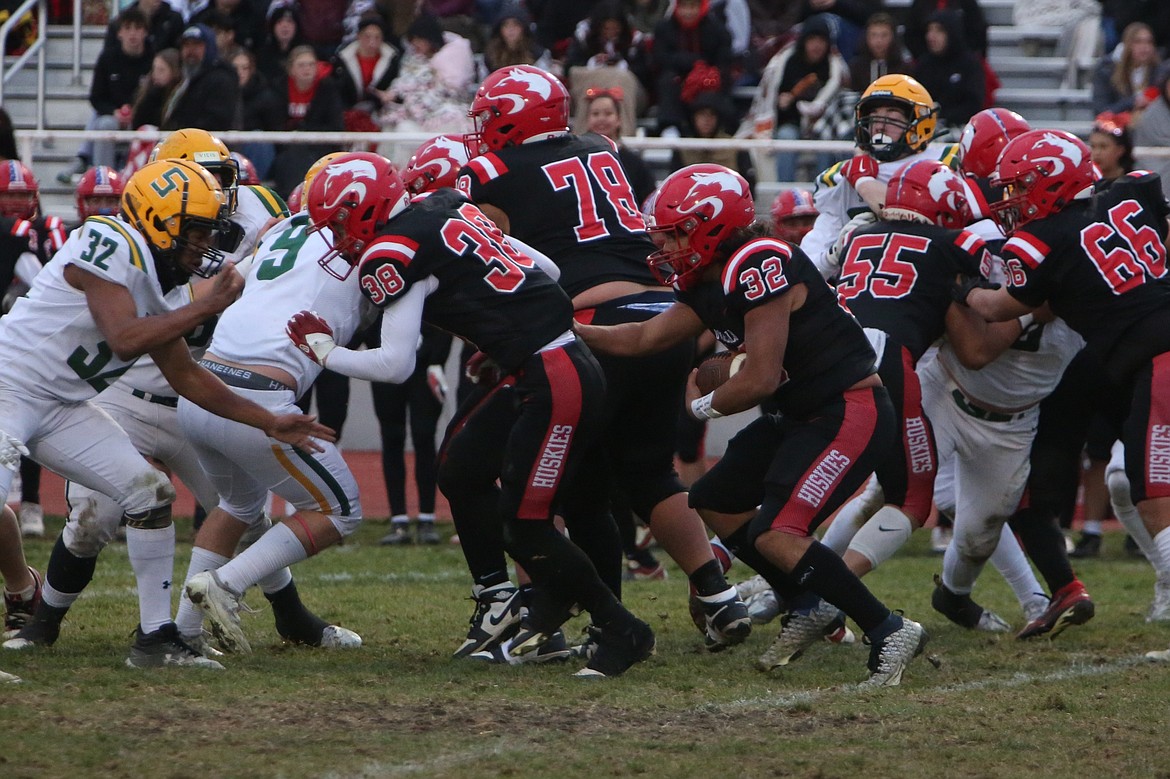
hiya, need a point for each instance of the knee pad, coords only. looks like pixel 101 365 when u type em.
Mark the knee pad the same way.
pixel 151 491
pixel 882 536
pixel 93 520
pixel 346 526
pixel 152 519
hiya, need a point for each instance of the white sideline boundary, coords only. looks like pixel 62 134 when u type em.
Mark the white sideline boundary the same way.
pixel 805 697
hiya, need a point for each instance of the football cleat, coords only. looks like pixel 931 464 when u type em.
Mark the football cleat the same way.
pixel 32 520
pixel 749 587
pixel 221 607
pixel 799 629
pixel 1071 605
pixel 726 621
pixel 588 646
pixel 838 632
pixel 399 535
pixel 889 657
pixel 1160 608
pixel 964 611
pixel 41 630
pixel 164 648
pixel 497 608
pixel 1088 546
pixel 1159 655
pixel 337 637
pixel 6 678
pixel 19 612
pixel 552 648
pixel 427 534
pixel 763 607
pixel 618 650
pixel 635 571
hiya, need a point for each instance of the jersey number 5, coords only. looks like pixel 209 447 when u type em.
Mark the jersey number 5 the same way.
pixel 885 274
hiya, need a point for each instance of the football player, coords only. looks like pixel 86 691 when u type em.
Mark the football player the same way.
pixel 568 197
pixel 443 251
pixel 787 472
pixel 895 121
pixel 72 346
pixel 1104 274
pixel 793 214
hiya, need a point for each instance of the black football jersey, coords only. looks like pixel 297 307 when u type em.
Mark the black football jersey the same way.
pixel 41 236
pixel 897 277
pixel 1100 263
pixel 826 353
pixel 488 293
pixel 568 197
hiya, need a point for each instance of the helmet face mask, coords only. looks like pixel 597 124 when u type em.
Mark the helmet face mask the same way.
pixel 793 215
pixel 516 104
pixel 179 208
pixel 885 136
pixel 19 192
pixel 99 193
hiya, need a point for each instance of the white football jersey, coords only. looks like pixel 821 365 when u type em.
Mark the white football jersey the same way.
pixel 255 205
pixel 50 344
pixel 835 198
pixel 285 279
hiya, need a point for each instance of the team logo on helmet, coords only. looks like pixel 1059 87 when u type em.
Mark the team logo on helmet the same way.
pixel 346 178
pixel 527 82
pixel 714 183
pixel 1069 154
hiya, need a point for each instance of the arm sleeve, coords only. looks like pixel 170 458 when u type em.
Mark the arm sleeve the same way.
pixel 394 360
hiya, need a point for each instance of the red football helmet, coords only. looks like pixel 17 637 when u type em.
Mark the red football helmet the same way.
pixel 703 204
pixel 99 193
pixel 434 164
pixel 248 173
pixel 985 136
pixel 927 191
pixel 514 104
pixel 793 214
pixel 1041 171
pixel 19 193
pixel 352 196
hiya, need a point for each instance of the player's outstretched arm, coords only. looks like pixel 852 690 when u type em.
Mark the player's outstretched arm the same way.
pixel 996 305
pixel 975 341
pixel 674 325
pixel 204 389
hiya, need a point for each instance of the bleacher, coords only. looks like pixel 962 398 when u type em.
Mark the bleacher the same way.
pixel 1036 78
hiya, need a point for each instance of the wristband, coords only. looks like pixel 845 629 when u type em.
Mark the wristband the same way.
pixel 1026 321
pixel 701 407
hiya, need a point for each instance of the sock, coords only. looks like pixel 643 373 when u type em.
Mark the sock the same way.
pixel 1127 514
pixel 152 557
pixel 958 575
pixel 883 535
pixel 294 621
pixel 66 576
pixel 1162 543
pixel 826 574
pixel 276 581
pixel 188 618
pixel 708 579
pixel 276 549
pixel 25 595
pixel 744 550
pixel 722 554
pixel 1044 543
pixel 399 519
pixel 1008 558
pixel 1092 527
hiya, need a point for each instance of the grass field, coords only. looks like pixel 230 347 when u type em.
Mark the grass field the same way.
pixel 1085 705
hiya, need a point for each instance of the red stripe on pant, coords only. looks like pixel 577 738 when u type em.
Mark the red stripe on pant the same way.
pixel 825 473
pixel 548 468
pixel 1157 470
pixel 917 445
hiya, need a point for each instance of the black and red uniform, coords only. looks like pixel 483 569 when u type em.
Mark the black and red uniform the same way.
pixel 568 197
pixel 486 292
pixel 896 278
pixel 800 464
pixel 1100 263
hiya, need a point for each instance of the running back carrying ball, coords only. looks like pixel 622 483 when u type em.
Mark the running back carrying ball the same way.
pixel 717 369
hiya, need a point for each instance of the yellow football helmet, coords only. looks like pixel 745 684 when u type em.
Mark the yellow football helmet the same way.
pixel 313 170
pixel 200 146
pixel 911 135
pixel 167 200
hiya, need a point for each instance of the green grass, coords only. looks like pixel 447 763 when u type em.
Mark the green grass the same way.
pixel 1084 705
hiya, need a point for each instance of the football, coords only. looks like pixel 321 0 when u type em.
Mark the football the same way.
pixel 715 370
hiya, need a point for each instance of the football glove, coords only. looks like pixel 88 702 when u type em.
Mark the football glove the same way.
pixel 312 335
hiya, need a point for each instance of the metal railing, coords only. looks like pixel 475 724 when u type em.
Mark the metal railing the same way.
pixel 36 48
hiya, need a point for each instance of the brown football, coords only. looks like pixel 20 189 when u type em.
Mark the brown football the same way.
pixel 716 370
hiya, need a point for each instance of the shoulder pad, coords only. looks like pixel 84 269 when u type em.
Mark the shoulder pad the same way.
pixel 951 155
pixel 124 241
pixel 271 201
pixel 830 176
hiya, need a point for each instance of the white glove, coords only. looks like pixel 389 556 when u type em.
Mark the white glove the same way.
pixel 437 382
pixel 11 450
pixel 835 257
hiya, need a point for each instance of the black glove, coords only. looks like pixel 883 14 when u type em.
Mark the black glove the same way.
pixel 962 289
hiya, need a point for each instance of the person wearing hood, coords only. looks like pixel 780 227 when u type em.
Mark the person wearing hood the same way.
pixel 951 73
pixel 206 97
pixel 365 68
pixel 688 37
pixel 973 23
pixel 512 42
pixel 283 33
pixel 435 82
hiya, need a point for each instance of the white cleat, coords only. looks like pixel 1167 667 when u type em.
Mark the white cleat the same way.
pixel 990 622
pixel 221 607
pixel 798 631
pixel 1160 608
pixel 6 678
pixel 32 520
pixel 753 586
pixel 889 658
pixel 337 637
pixel 1160 656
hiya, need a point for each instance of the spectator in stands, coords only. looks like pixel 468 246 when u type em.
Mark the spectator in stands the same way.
pixel 1112 145
pixel 704 111
pixel 1123 13
pixel 243 15
pixel 556 21
pixel 8 149
pixel 604 117
pixel 327 27
pixel 608 39
pixel 952 75
pixel 365 68
pixel 206 97
pixel 687 38
pixel 166 71
pixel 646 14
pixel 309 101
pixel 1124 75
pixel 1152 128
pixel 879 53
pixel 847 19
pixel 163 22
pixel 795 90
pixel 434 85
pixel 225 36
pixel 737 17
pixel 258 110
pixel 511 42
pixel 973 23
pixel 119 71
pixel 283 34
